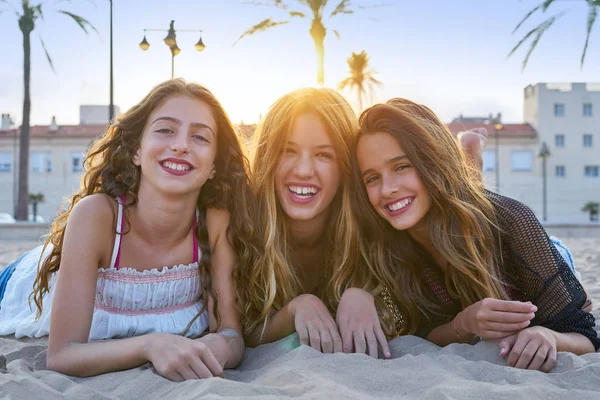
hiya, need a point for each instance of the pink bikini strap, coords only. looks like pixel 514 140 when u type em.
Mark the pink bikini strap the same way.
pixel 194 239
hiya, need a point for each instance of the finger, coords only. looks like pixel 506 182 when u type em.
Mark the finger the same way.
pixel 383 343
pixel 360 346
pixel 519 346
pixel 326 341
pixel 314 336
pixel 511 306
pixel 174 376
pixel 187 372
pixel 507 344
pixel 303 334
pixel 506 317
pixel 496 335
pixel 538 358
pixel 504 327
pixel 371 344
pixel 550 362
pixel 527 354
pixel 201 370
pixel 336 339
pixel 347 343
pixel 210 361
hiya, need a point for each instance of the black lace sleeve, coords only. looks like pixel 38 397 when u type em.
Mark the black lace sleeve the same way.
pixel 539 272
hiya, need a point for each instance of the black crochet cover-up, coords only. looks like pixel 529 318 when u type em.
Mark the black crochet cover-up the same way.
pixel 533 269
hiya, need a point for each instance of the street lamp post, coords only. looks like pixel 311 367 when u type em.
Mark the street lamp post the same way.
pixel 497 128
pixel 544 154
pixel 171 41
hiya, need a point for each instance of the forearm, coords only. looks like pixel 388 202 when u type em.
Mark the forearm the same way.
pixel 573 342
pixel 278 326
pixel 90 359
pixel 446 334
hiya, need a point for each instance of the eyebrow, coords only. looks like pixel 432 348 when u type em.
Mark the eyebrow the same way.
pixel 198 125
pixel 321 146
pixel 390 161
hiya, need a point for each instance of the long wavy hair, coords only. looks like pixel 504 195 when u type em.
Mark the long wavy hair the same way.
pixel 461 221
pixel 108 169
pixel 273 281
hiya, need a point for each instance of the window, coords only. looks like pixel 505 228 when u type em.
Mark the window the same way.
pixel 559 110
pixel 587 109
pixel 559 140
pixel 560 171
pixel 76 162
pixel 522 160
pixel 6 162
pixel 40 161
pixel 489 161
pixel 592 171
pixel 587 140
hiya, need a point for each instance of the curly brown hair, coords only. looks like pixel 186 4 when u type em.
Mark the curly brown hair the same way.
pixel 108 169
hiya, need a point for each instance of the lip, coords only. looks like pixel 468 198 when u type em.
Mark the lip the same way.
pixel 176 161
pixel 400 211
pixel 298 200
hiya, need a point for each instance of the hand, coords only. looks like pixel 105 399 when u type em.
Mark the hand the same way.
pixel 496 319
pixel 532 348
pixel 178 358
pixel 314 324
pixel 359 324
pixel 472 143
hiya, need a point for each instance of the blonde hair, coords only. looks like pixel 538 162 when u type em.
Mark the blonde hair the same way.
pixel 109 170
pixel 272 281
pixel 461 222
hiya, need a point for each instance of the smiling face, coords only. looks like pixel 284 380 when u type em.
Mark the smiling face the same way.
pixel 178 147
pixel 308 175
pixel 393 185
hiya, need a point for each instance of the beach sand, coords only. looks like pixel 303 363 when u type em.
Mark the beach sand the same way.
pixel 283 370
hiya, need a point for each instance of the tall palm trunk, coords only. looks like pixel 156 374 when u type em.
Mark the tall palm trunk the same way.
pixel 26 25
pixel 318 32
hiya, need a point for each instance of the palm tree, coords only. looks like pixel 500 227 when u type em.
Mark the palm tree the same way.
pixel 28 16
pixel 537 32
pixel 593 208
pixel 317 31
pixel 35 199
pixel 361 77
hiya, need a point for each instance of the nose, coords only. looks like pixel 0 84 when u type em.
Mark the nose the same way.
pixel 304 167
pixel 389 186
pixel 180 142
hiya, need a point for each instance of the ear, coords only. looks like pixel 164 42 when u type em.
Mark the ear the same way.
pixel 212 173
pixel 137 159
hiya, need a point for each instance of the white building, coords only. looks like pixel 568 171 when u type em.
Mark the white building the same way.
pixel 55 163
pixel 566 118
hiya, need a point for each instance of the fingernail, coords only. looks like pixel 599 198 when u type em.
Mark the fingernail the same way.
pixel 387 355
pixel 533 308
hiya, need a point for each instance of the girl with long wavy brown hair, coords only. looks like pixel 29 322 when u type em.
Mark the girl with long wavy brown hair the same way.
pixel 145 249
pixel 302 170
pixel 453 261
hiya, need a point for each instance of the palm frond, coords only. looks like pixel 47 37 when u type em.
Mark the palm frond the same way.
pixel 82 22
pixel 337 34
pixel 544 6
pixel 592 14
pixel 538 31
pixel 343 7
pixel 47 55
pixel 297 14
pixel 260 27
pixel 346 82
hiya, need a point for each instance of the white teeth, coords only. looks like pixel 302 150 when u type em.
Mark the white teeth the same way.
pixel 176 167
pixel 303 190
pixel 399 205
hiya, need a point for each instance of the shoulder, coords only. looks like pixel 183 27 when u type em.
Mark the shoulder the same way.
pixel 96 208
pixel 509 210
pixel 217 222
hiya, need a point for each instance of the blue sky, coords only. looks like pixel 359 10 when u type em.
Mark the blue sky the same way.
pixel 450 55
